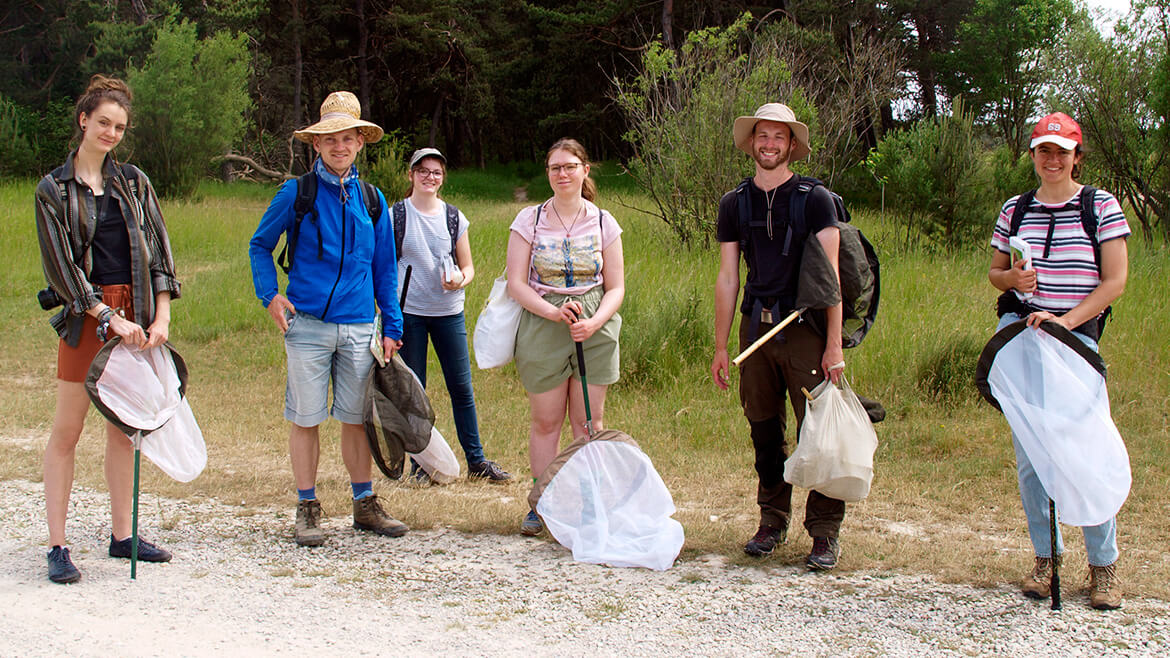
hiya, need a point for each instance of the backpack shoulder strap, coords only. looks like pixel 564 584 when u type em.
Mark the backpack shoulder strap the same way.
pixel 743 204
pixel 453 228
pixel 1021 209
pixel 398 214
pixel 373 203
pixel 1089 220
pixel 796 208
pixel 302 205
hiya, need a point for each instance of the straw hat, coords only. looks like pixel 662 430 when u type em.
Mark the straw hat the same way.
pixel 745 126
pixel 340 111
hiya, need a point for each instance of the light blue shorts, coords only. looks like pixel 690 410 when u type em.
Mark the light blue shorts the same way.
pixel 318 351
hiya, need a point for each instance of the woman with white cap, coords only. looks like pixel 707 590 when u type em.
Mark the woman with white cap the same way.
pixel 1078 266
pixel 435 245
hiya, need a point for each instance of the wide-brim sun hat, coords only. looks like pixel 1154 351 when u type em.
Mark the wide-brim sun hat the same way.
pixel 340 111
pixel 742 131
pixel 428 152
pixel 1057 128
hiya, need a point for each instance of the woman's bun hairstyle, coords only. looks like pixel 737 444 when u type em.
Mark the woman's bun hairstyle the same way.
pixel 100 90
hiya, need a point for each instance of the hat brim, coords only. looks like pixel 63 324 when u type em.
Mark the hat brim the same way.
pixel 744 126
pixel 1062 142
pixel 370 131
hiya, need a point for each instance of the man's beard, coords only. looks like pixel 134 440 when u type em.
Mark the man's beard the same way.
pixel 770 165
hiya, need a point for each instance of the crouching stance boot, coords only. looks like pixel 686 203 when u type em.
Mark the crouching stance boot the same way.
pixel 1104 587
pixel 1037 584
pixel 368 515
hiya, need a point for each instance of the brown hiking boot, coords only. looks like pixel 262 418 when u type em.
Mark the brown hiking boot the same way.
pixel 308 530
pixel 1104 587
pixel 368 515
pixel 1038 583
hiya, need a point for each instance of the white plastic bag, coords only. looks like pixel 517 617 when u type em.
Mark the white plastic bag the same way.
pixel 608 505
pixel 437 459
pixel 495 330
pixel 835 452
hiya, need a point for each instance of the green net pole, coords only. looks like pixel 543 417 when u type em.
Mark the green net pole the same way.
pixel 134 515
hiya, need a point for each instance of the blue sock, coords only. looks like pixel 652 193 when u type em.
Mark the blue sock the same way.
pixel 307 494
pixel 362 489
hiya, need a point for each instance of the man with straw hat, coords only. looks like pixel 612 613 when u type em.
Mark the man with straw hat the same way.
pixel 341 263
pixel 755 219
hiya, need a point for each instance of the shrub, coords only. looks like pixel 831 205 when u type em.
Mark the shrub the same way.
pixel 386 166
pixel 936 172
pixel 190 96
pixel 680 109
pixel 32 143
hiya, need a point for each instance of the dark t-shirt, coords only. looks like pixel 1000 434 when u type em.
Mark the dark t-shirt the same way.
pixel 111 245
pixel 771 276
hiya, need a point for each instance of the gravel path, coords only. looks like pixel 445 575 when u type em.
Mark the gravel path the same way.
pixel 238 585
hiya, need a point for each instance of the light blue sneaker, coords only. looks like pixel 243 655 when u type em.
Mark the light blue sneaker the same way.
pixel 531 525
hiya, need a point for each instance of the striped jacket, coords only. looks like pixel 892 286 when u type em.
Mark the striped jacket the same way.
pixel 66 215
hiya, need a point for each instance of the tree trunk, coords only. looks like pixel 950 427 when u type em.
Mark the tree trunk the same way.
pixel 436 116
pixel 363 64
pixel 298 73
pixel 667 23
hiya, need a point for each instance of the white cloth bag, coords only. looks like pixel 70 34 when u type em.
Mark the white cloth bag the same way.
pixel 437 459
pixel 835 452
pixel 495 330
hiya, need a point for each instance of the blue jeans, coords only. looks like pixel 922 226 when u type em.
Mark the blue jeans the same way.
pixel 1100 540
pixel 449 334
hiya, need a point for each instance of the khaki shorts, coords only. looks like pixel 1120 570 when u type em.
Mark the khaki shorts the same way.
pixel 546 355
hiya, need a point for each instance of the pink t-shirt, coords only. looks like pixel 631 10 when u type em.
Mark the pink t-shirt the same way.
pixel 567 262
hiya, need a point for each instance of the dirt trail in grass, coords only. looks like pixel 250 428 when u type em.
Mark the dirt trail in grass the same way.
pixel 238 585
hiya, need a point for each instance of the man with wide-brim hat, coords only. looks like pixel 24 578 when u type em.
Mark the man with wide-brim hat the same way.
pixel 341 270
pixel 772 243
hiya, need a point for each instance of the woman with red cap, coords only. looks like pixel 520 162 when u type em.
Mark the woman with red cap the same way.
pixel 1078 266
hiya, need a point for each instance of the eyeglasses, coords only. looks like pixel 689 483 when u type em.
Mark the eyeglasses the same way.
pixel 429 173
pixel 569 168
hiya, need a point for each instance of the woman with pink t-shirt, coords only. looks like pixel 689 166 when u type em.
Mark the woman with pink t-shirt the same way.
pixel 565 268
pixel 1078 266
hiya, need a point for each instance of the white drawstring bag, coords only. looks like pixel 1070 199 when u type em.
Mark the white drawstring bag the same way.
pixel 495 330
pixel 834 454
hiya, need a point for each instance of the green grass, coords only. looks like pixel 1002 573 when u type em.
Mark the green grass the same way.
pixel 944 498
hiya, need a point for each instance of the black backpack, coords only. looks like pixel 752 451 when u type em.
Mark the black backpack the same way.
pixel 304 205
pixel 1009 303
pixel 398 212
pixel 858 266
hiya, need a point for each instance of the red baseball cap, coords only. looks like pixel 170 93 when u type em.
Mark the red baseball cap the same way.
pixel 1058 128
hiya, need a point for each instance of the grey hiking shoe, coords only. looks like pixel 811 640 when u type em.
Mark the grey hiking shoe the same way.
pixel 368 515
pixel 1038 583
pixel 825 552
pixel 765 541
pixel 1104 587
pixel 61 569
pixel 488 470
pixel 308 530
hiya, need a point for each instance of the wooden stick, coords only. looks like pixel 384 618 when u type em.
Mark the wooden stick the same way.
pixel 766 337
pixel 806 393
